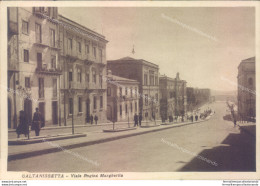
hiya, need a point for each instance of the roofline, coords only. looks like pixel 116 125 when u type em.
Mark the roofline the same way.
pixel 135 60
pixel 84 28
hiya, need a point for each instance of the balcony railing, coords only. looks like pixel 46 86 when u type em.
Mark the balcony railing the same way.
pixel 50 71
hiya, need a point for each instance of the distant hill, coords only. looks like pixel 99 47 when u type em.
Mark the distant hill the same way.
pixel 221 95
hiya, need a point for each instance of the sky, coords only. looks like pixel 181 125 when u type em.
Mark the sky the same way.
pixel 205 45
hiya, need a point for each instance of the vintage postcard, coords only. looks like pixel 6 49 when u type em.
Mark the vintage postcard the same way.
pixel 130 90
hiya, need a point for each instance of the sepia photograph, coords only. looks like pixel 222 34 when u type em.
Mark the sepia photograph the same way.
pixel 96 92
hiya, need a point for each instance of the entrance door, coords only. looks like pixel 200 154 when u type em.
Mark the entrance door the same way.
pixel 42 109
pixel 55 112
pixel 28 110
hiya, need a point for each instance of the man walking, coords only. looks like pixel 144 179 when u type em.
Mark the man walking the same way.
pixel 37 122
pixel 136 120
pixel 96 119
pixel 91 119
pixel 140 119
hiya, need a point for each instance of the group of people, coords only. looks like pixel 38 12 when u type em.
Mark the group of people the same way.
pixel 138 118
pixel 37 123
pixel 91 118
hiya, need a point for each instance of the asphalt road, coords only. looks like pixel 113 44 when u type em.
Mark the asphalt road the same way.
pixel 188 148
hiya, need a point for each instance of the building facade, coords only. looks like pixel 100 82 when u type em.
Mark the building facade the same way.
pixel 122 98
pixel 146 73
pixel 173 99
pixel 83 60
pixel 246 89
pixel 33 68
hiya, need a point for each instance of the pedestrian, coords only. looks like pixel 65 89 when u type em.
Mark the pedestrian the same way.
pixel 140 119
pixel 91 119
pixel 23 125
pixel 136 120
pixel 191 118
pixel 37 122
pixel 196 117
pixel 235 123
pixel 96 119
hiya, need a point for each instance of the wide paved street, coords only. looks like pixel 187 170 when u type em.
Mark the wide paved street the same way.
pixel 186 148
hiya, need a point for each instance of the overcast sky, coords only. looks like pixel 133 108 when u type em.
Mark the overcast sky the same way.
pixel 205 45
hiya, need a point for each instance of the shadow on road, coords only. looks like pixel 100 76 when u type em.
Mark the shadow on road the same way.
pixel 237 153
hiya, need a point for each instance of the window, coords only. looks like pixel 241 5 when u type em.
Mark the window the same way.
pixel 52 34
pixel 70 75
pixel 156 96
pixel 70 105
pixel 131 92
pixel 39 60
pixel 151 78
pixel 87 77
pixel 94 76
pixel 120 110
pixel 146 99
pixel 41 88
pixel 126 108
pixel 25 27
pixel 27 82
pixel 38 33
pixel 95 102
pixel 156 80
pixel 87 49
pixel 250 81
pixel 80 104
pixel 126 90
pixel 131 107
pixel 94 52
pixel 79 75
pixel 26 56
pixel 101 101
pixel 79 47
pixel 108 91
pixel 135 107
pixel 136 92
pixel 100 80
pixel 120 92
pixel 55 92
pixel 69 44
pixel 53 62
pixel 100 55
pixel 145 79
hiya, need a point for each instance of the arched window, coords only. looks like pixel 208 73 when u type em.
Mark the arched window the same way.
pixel 250 81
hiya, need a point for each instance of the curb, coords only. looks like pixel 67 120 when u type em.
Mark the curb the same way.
pixel 44 138
pixel 119 129
pixel 27 154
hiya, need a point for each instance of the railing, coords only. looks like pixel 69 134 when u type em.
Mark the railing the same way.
pixel 45 70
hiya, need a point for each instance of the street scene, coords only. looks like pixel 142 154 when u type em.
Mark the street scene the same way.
pixel 131 89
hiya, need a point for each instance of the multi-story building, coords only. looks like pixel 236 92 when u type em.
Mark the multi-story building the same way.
pixel 83 60
pixel 122 98
pixel 246 89
pixel 146 73
pixel 173 99
pixel 33 68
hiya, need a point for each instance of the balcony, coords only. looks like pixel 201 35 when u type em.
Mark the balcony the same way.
pixel 51 71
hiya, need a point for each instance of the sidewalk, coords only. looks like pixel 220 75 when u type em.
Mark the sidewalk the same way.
pixel 95 137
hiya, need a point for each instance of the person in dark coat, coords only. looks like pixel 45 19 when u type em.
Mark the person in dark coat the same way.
pixel 23 125
pixel 136 120
pixel 91 119
pixel 140 119
pixel 37 122
pixel 196 117
pixel 96 119
pixel 191 118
